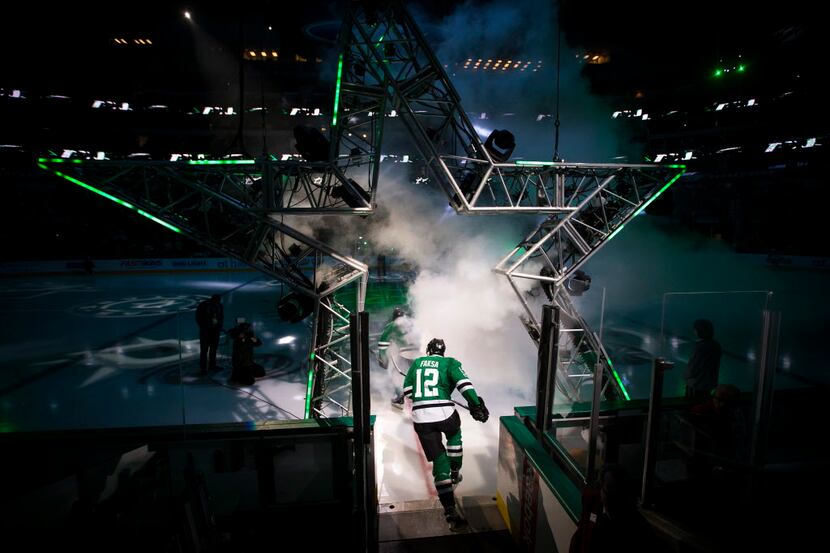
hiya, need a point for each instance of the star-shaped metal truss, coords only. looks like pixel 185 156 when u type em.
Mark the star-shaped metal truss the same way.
pixel 232 206
pixel 586 203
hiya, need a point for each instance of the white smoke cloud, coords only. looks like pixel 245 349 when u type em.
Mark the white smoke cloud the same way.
pixel 456 295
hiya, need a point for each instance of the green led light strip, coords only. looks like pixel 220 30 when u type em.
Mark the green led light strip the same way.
pixel 665 187
pixel 308 393
pixel 337 90
pixel 534 163
pixel 619 381
pixel 645 205
pixel 112 198
pixel 58 160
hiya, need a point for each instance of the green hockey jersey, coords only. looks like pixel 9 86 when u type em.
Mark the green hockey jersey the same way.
pixel 392 334
pixel 430 382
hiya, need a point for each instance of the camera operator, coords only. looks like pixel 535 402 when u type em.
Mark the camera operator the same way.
pixel 245 370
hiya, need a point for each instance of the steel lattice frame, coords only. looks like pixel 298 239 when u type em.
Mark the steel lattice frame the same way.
pixel 587 203
pixel 604 198
pixel 221 207
pixel 229 205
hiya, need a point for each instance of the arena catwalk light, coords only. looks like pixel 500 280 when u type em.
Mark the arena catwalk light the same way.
pixel 187 16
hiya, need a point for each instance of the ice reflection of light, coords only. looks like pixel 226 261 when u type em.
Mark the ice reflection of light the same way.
pixel 53 406
pixel 213 284
pixel 151 390
pixel 267 334
pixel 786 362
pixel 125 392
pixel 750 355
pixel 675 342
pixel 286 340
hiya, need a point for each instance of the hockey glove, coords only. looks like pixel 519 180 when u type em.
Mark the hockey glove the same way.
pixel 479 412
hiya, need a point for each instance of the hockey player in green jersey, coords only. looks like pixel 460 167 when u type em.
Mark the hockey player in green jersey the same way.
pixel 394 350
pixel 429 384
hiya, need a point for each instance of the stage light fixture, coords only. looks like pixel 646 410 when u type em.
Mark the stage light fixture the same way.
pixel 578 284
pixel 295 307
pixel 354 195
pixel 500 144
pixel 311 143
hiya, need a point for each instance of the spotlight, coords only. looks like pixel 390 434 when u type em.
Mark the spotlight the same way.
pixel 311 143
pixel 500 144
pixel 295 307
pixel 578 283
pixel 353 194
pixel 187 16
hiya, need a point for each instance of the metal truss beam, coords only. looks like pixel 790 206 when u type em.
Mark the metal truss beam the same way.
pixel 587 203
pixel 605 198
pixel 395 51
pixel 218 208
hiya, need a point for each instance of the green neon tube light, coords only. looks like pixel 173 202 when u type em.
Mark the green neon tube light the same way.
pixel 535 163
pixel 221 162
pixel 58 160
pixel 613 234
pixel 645 205
pixel 112 198
pixel 337 90
pixel 665 187
pixel 619 381
pixel 308 393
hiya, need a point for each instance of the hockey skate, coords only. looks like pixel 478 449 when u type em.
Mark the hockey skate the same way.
pixel 454 519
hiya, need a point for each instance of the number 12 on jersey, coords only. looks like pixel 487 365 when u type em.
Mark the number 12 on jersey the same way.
pixel 429 379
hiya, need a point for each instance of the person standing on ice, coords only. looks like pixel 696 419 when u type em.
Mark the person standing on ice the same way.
pixel 429 383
